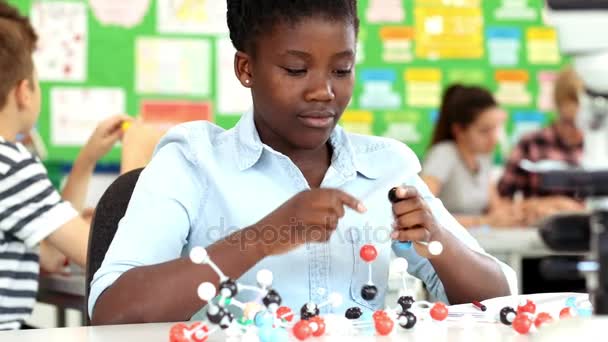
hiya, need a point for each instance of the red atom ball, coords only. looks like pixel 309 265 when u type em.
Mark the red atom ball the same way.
pixel 565 313
pixel 282 313
pixel 320 326
pixel 379 314
pixel 439 311
pixel 368 253
pixel 528 307
pixel 522 323
pixel 542 318
pixel 302 330
pixel 384 326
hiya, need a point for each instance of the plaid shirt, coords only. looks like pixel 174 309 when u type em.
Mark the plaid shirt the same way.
pixel 544 144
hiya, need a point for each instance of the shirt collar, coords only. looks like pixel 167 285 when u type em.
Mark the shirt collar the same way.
pixel 249 149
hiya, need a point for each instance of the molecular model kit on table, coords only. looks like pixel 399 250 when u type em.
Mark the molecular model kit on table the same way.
pixel 268 321
pixel 526 319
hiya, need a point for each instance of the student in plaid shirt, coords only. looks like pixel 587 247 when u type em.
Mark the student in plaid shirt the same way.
pixel 561 141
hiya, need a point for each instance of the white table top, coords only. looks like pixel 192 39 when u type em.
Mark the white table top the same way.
pixel 523 241
pixel 571 330
pixel 424 331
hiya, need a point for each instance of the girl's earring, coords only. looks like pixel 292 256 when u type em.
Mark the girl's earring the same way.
pixel 247 81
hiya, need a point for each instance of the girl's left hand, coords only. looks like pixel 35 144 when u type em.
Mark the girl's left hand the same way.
pixel 414 220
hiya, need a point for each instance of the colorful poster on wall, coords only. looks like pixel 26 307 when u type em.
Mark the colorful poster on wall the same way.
pixel 515 10
pixel 402 126
pixel 397 44
pixel 184 71
pixel 542 46
pixel 504 44
pixel 357 121
pixel 61 53
pixel 469 76
pixel 385 11
pixel 169 113
pixel 232 96
pixel 422 87
pixel 448 31
pixel 192 16
pixel 546 83
pixel 378 92
pixel 121 13
pixel 75 112
pixel 513 88
pixel 410 127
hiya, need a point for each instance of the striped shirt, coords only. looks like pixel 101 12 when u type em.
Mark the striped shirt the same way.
pixel 30 210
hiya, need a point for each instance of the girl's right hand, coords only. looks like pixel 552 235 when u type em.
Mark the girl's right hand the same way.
pixel 309 216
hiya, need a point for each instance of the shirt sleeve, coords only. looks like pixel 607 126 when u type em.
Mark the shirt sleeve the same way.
pixel 421 267
pixel 30 207
pixel 164 205
pixel 440 161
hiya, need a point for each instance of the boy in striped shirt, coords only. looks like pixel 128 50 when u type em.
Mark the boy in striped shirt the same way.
pixel 31 210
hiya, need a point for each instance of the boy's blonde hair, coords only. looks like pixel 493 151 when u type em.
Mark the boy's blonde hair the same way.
pixel 17 43
pixel 567 86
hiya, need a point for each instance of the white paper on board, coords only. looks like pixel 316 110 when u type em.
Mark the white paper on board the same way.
pixel 61 52
pixel 173 66
pixel 75 112
pixel 192 16
pixel 122 13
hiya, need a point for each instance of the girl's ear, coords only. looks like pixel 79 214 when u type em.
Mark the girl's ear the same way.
pixel 242 68
pixel 457 130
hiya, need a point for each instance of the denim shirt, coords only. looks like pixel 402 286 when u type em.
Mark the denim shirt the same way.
pixel 205 182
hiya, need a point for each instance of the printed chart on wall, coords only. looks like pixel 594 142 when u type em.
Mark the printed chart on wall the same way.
pixel 171 61
pixel 414 49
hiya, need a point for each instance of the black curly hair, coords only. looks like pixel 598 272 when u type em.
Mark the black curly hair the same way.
pixel 247 19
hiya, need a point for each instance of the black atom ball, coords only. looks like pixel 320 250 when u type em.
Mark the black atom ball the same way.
pixel 272 297
pixel 507 314
pixel 308 311
pixel 406 320
pixel 230 286
pixel 353 313
pixel 369 292
pixel 405 302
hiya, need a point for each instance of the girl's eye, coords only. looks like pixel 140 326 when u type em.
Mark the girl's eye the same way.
pixel 295 72
pixel 344 72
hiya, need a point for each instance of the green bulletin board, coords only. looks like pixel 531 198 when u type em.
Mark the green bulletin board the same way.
pixel 172 59
pixel 412 50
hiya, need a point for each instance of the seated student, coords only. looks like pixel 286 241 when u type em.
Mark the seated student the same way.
pixel 561 141
pixel 31 210
pixel 458 166
pixel 280 190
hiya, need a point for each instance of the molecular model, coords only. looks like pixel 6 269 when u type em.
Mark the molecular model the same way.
pixel 524 319
pixel 405 314
pixel 266 320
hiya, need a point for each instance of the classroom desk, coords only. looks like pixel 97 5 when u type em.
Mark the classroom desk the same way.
pixel 424 331
pixel 64 292
pixel 512 245
pixel 570 330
